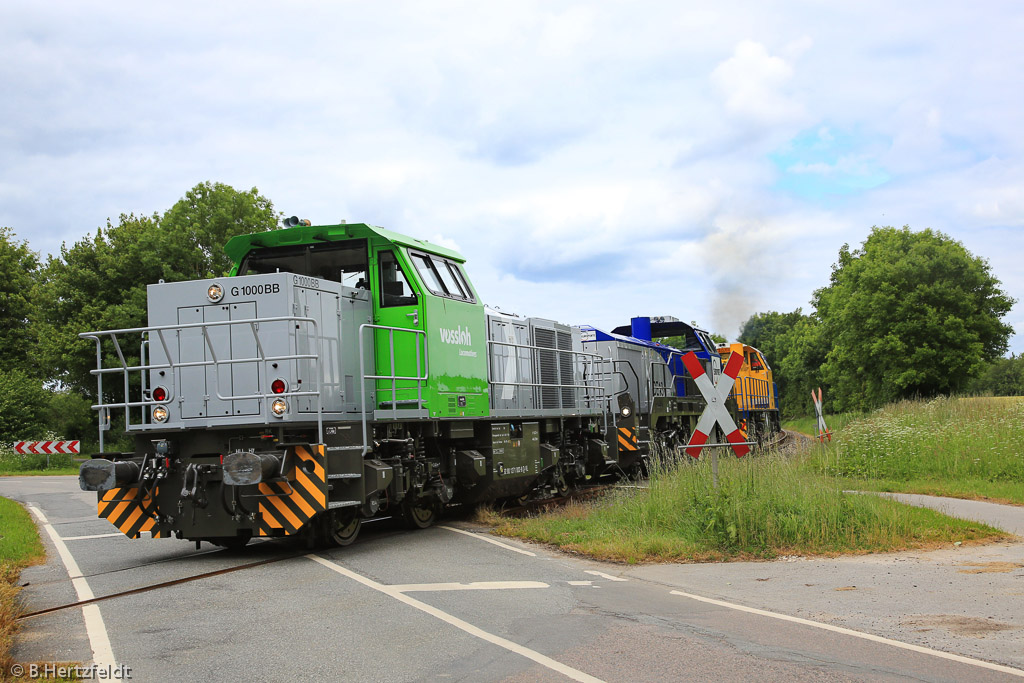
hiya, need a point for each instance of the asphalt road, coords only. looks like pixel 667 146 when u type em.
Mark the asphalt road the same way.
pixel 453 603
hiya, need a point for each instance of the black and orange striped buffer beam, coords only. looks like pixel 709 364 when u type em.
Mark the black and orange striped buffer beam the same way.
pixel 627 439
pixel 131 513
pixel 286 505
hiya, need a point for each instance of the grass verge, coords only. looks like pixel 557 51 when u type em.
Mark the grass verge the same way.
pixel 19 547
pixel 763 507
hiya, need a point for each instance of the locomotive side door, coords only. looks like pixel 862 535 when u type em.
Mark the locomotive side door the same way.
pixel 398 352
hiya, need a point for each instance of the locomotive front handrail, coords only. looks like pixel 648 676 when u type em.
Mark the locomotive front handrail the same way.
pixel 394 376
pixel 261 358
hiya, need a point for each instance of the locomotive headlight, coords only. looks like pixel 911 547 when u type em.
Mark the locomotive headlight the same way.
pixel 626 411
pixel 215 293
pixel 160 414
pixel 279 407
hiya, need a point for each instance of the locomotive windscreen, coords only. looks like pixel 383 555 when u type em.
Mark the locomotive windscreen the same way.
pixel 344 262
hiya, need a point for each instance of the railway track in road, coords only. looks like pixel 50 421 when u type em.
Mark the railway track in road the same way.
pixel 161 584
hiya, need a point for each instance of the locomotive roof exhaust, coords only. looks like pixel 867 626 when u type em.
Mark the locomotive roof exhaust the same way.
pixel 292 221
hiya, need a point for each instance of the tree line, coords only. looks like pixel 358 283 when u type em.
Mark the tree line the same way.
pixel 99 283
pixel 908 314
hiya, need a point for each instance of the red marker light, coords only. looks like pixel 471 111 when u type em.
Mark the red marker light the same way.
pixel 159 394
pixel 278 386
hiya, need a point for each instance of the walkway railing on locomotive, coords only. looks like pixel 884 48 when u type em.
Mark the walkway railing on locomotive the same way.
pixel 577 388
pixel 752 393
pixel 262 359
pixel 669 387
pixel 394 377
pixel 600 376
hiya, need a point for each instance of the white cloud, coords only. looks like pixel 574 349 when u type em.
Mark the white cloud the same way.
pixel 754 85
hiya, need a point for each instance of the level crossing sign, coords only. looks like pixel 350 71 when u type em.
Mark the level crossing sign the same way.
pixel 46 447
pixel 821 430
pixel 715 394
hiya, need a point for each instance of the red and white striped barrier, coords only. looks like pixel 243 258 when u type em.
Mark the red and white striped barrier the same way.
pixel 46 447
pixel 715 395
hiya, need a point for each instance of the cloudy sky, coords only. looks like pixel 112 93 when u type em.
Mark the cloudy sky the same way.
pixel 593 161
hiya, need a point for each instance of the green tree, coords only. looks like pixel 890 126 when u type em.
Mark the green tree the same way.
pixel 791 345
pixel 19 268
pixel 908 314
pixel 70 416
pixel 208 216
pixel 799 368
pixel 765 332
pixel 23 403
pixel 1005 377
pixel 99 282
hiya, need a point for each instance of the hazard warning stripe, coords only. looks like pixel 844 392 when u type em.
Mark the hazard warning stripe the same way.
pixel 289 505
pixel 628 439
pixel 267 520
pixel 130 514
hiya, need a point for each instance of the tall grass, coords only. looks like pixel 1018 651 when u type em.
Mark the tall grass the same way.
pixel 952 445
pixel 762 507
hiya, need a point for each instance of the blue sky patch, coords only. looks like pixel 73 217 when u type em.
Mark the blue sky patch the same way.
pixel 825 162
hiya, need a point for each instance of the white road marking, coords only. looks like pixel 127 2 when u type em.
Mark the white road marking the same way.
pixel 83 538
pixel 580 583
pixel 102 654
pixel 472 630
pixel 474 586
pixel 604 576
pixel 506 546
pixel 857 634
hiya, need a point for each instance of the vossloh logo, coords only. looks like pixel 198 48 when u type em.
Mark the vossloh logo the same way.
pixel 459 337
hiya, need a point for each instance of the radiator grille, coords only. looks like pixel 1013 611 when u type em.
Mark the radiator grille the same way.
pixel 565 369
pixel 547 362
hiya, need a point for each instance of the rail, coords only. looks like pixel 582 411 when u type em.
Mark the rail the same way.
pixel 160 330
pixel 394 376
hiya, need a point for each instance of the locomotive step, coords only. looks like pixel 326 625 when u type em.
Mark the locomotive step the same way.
pixel 345 475
pixel 342 504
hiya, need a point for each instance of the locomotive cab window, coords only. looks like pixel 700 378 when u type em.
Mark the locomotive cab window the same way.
pixel 441 276
pixel 394 286
pixel 342 261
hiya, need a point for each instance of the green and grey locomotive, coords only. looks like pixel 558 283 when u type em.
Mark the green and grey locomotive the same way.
pixel 342 372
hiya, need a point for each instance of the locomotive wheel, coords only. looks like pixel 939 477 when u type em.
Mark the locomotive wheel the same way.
pixel 418 514
pixel 343 529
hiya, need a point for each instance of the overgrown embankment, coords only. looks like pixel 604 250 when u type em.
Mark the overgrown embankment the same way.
pixel 762 508
pixel 769 505
pixel 19 547
pixel 960 447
